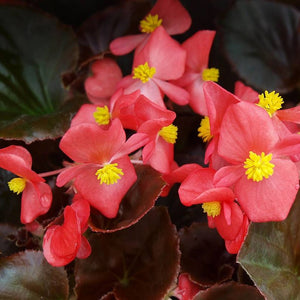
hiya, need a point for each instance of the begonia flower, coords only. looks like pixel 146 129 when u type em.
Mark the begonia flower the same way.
pixel 153 66
pixel 177 175
pixel 167 13
pixel 186 288
pixel 217 202
pixel 120 106
pixel 272 102
pixel 36 194
pixel 264 177
pixel 103 172
pixel 99 87
pixel 158 126
pixel 217 100
pixel 62 243
pixel 197 72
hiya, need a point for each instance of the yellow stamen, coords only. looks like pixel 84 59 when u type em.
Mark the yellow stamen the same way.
pixel 271 102
pixel 143 72
pixel 258 166
pixel 109 174
pixel 150 23
pixel 212 209
pixel 204 130
pixel 211 74
pixel 169 133
pixel 17 185
pixel 102 115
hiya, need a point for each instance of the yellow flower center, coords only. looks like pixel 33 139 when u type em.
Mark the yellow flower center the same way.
pixel 271 102
pixel 211 74
pixel 212 209
pixel 169 133
pixel 109 174
pixel 150 23
pixel 204 130
pixel 17 185
pixel 102 115
pixel 258 166
pixel 143 72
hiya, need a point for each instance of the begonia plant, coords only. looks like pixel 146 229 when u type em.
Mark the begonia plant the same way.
pixel 149 149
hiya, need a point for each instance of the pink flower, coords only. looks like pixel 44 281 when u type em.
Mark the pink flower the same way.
pixel 153 66
pixel 62 243
pixel 186 289
pixel 103 172
pixel 120 106
pixel 218 202
pixel 264 177
pixel 197 72
pixel 178 174
pixel 167 13
pixel 217 100
pixel 99 87
pixel 162 134
pixel 36 194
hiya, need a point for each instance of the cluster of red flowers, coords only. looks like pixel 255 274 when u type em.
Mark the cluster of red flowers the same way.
pixel 253 149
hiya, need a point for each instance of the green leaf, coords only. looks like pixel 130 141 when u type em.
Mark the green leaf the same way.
pixel 262 41
pixel 229 291
pixel 28 276
pixel 271 256
pixel 136 203
pixel 35 50
pixel 140 262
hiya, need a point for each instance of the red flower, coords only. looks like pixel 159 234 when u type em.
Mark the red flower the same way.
pixel 157 125
pixel 121 106
pixel 265 179
pixel 36 194
pixel 197 72
pixel 103 172
pixel 168 13
pixel 62 243
pixel 218 202
pixel 153 66
pixel 99 87
pixel 217 100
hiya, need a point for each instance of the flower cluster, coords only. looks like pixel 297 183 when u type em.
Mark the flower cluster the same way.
pixel 252 155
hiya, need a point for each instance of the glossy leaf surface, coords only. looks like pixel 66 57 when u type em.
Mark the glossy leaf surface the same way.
pixel 140 262
pixel 136 203
pixel 35 50
pixel 271 256
pixel 28 276
pixel 262 41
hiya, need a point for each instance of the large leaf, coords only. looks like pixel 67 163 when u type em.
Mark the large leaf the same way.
pixel 136 203
pixel 28 276
pixel 262 40
pixel 230 291
pixel 140 262
pixel 204 256
pixel 35 50
pixel 271 256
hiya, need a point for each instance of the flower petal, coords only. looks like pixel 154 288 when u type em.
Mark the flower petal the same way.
pixel 198 48
pixel 36 201
pixel 271 198
pixel 105 198
pixel 176 18
pixel 126 44
pixel 177 94
pixel 246 127
pixel 88 143
pixel 157 54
